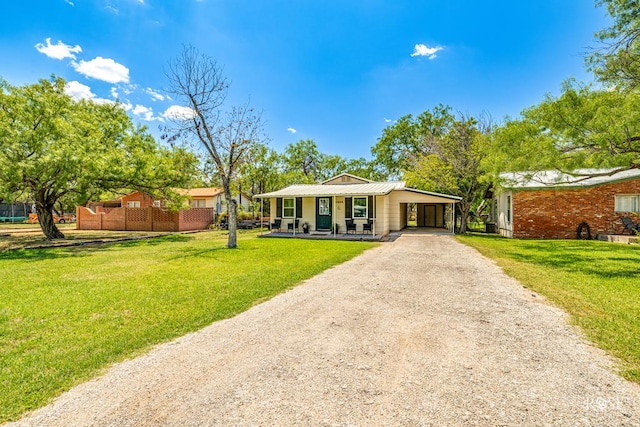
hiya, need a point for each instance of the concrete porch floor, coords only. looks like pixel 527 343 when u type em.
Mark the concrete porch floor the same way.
pixel 314 235
pixel 619 238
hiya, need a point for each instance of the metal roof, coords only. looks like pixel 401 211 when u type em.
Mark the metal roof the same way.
pixel 578 179
pixel 309 190
pixel 368 189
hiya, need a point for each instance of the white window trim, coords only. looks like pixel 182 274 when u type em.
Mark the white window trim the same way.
pixel 293 207
pixel 134 204
pixel 366 207
pixel 617 206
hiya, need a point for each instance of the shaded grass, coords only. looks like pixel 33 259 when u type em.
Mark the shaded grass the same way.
pixel 597 283
pixel 12 239
pixel 65 314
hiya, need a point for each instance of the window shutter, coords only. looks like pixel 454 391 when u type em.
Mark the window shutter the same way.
pixel 348 210
pixel 370 207
pixel 298 207
pixel 279 207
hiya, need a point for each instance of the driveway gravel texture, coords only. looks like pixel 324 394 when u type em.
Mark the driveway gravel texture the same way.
pixel 422 331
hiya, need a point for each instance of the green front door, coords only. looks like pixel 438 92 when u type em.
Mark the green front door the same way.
pixel 323 213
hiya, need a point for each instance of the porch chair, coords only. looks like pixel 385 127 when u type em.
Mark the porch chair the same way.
pixel 290 225
pixel 351 226
pixel 277 224
pixel 630 225
pixel 368 226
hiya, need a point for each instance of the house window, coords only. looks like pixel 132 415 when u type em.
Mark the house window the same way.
pixel 198 203
pixel 288 207
pixel 628 203
pixel 133 204
pixel 157 203
pixel 360 207
pixel 509 209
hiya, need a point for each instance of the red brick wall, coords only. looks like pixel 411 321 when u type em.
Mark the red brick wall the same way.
pixel 556 213
pixel 145 200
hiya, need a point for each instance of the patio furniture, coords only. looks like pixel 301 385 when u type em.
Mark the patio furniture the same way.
pixel 277 224
pixel 351 226
pixel 368 226
pixel 630 225
pixel 290 225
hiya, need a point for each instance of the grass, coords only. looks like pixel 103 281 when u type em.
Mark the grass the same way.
pixel 34 238
pixel 68 313
pixel 597 283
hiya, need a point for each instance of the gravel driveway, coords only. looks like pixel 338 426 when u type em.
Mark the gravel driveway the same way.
pixel 421 331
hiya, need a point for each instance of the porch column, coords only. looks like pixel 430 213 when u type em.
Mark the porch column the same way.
pixel 373 227
pixel 295 214
pixel 333 215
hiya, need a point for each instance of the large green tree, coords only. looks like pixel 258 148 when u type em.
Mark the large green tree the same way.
pixel 582 128
pixel 617 61
pixel 55 149
pixel 437 151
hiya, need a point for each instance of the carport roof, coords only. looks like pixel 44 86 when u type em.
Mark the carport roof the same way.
pixel 368 189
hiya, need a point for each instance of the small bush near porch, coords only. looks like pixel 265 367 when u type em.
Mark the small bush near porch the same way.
pixel 68 313
pixel 597 283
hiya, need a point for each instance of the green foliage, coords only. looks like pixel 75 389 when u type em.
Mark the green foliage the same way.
pixel 67 314
pixel 437 152
pixel 582 128
pixel 400 144
pixel 617 62
pixel 595 282
pixel 57 150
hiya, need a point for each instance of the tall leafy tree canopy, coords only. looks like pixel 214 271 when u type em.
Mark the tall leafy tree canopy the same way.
pixel 53 148
pixel 617 62
pixel 437 151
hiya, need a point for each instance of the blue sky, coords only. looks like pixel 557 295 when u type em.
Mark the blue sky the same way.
pixel 337 72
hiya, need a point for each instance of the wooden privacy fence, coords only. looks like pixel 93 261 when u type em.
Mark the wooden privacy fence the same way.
pixel 143 219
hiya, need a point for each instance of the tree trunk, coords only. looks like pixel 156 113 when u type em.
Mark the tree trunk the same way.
pixel 232 210
pixel 45 218
pixel 464 216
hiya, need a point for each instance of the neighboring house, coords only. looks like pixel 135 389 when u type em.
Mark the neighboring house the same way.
pixel 348 197
pixel 196 198
pixel 549 204
pixel 212 197
pixel 136 199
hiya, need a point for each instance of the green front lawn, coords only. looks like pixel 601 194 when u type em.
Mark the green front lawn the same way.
pixel 597 283
pixel 66 314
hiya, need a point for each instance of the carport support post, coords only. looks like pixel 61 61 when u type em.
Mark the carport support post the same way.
pixel 453 218
pixel 261 214
pixel 295 214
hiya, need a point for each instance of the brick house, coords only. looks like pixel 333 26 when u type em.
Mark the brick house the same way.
pixel 549 204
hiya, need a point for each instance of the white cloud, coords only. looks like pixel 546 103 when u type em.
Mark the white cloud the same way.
pixel 424 50
pixel 105 69
pixel 59 50
pixel 178 112
pixel 78 91
pixel 112 10
pixel 114 92
pixel 145 113
pixel 154 95
pixel 292 130
pixel 69 2
pixel 387 120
